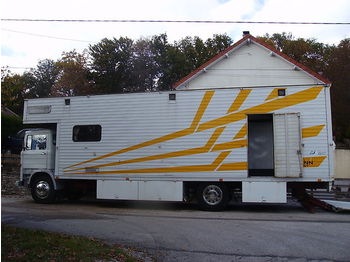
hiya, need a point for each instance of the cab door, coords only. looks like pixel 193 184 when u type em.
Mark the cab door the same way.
pixel 37 150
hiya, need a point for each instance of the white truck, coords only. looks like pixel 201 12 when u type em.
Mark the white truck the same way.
pixel 206 140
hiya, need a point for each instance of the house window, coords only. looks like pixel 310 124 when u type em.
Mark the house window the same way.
pixel 87 133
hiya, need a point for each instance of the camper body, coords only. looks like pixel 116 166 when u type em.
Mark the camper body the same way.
pixel 208 140
pixel 145 146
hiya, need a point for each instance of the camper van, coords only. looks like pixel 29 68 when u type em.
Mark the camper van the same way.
pixel 251 122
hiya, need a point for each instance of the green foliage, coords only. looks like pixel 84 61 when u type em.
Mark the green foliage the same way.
pixel 338 72
pixel 12 93
pixel 73 73
pixel 122 65
pixel 10 125
pixel 111 64
pixel 34 245
pixel 42 79
pixel 308 52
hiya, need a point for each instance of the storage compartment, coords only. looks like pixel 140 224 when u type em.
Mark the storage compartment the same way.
pixel 113 189
pixel 160 190
pixel 264 192
pixel 140 190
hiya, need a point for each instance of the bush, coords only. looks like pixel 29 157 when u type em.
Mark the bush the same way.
pixel 10 125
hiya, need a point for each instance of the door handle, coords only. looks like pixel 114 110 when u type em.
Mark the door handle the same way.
pixel 43 153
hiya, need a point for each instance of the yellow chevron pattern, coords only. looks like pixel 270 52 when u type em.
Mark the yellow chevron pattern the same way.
pixel 219 124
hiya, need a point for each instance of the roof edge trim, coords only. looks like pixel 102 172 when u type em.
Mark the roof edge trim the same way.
pixel 222 54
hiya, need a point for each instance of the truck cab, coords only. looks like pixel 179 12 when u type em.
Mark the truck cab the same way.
pixel 38 162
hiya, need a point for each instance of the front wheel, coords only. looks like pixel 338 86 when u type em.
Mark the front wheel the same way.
pixel 42 190
pixel 212 196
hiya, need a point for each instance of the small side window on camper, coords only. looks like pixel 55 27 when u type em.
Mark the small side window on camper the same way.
pixel 87 133
pixel 282 92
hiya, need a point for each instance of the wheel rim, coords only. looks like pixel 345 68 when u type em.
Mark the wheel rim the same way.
pixel 42 189
pixel 212 195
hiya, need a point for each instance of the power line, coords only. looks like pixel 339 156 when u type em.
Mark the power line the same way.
pixel 46 36
pixel 16 67
pixel 168 21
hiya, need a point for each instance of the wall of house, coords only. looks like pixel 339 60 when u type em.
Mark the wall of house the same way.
pixel 248 66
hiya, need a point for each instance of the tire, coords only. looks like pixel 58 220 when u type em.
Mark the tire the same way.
pixel 42 190
pixel 212 196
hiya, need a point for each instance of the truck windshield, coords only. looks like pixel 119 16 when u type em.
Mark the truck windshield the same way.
pixel 36 142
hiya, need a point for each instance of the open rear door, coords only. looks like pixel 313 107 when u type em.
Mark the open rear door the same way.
pixel 287 145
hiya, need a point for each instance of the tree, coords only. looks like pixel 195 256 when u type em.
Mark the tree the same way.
pixel 41 79
pixel 12 91
pixel 166 58
pixel 217 44
pixel 338 68
pixel 308 52
pixel 111 65
pixel 72 77
pixel 179 59
pixel 144 67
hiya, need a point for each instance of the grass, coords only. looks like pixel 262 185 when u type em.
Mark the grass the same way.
pixel 19 244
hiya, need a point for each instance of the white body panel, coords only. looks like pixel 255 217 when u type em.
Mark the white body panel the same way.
pixel 121 190
pixel 139 190
pixel 131 120
pixel 287 139
pixel 264 192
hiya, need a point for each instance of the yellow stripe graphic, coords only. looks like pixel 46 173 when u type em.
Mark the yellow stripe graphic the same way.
pixel 230 145
pixel 273 94
pixel 300 97
pixel 200 112
pixel 241 97
pixel 290 100
pixel 233 166
pixel 215 166
pixel 203 106
pixel 198 150
pixel 194 168
pixel 312 131
pixel 314 161
pixel 220 158
pixel 241 133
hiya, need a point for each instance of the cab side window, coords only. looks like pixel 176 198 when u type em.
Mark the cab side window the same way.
pixel 36 142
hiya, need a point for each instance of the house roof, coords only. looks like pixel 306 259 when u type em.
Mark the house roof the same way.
pixel 237 44
pixel 8 112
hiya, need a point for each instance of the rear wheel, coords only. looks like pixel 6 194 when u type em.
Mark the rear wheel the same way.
pixel 212 196
pixel 42 190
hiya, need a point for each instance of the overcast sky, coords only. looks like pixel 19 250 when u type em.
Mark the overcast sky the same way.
pixel 20 50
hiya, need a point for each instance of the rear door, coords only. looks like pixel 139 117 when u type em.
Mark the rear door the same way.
pixel 287 145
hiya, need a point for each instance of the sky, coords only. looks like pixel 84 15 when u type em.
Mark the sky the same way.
pixel 23 44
